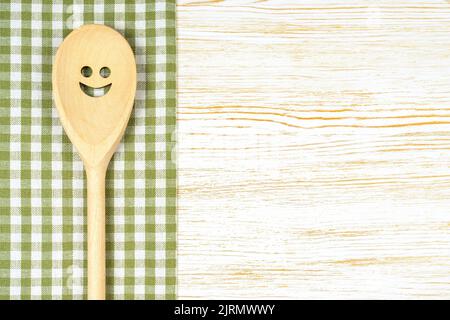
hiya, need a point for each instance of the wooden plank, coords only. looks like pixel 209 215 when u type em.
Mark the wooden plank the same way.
pixel 314 149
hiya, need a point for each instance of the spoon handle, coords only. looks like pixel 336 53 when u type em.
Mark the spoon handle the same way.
pixel 96 232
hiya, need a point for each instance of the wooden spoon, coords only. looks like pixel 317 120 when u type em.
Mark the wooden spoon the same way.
pixel 94 84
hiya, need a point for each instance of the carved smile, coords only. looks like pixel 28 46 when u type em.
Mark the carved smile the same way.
pixel 95 92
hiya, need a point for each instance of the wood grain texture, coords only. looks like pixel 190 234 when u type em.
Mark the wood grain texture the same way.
pixel 314 149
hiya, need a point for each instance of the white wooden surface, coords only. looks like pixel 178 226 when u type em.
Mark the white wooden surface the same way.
pixel 314 149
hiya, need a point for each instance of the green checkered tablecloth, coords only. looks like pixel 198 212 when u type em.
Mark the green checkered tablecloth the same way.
pixel 42 182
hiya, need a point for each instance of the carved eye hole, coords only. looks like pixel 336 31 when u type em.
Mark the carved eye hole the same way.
pixel 86 71
pixel 105 72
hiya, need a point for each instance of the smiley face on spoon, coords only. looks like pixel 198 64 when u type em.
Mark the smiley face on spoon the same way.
pixel 86 72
